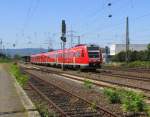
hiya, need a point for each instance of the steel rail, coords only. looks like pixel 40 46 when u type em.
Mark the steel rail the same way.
pixel 62 113
pixel 110 82
pixel 101 110
pixel 131 77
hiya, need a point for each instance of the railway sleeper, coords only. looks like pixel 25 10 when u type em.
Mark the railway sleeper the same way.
pixel 78 109
pixel 71 105
pixel 54 97
pixel 63 105
pixel 58 100
pixel 84 114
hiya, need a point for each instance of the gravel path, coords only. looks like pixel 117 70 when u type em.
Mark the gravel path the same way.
pixel 10 104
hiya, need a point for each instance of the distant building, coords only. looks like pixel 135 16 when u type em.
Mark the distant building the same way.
pixel 116 48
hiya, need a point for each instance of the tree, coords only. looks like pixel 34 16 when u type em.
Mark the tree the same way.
pixel 120 57
pixel 133 55
pixel 143 55
pixel 17 57
pixel 148 52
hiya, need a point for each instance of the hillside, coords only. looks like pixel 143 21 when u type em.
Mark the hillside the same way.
pixel 24 51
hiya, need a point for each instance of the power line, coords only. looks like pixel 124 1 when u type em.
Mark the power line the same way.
pixel 30 13
pixel 108 4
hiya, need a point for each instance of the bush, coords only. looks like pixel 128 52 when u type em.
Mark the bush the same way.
pixel 133 55
pixel 133 102
pixel 21 79
pixel 113 95
pixel 120 57
pixel 130 101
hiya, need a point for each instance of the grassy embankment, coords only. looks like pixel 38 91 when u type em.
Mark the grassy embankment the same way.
pixel 22 79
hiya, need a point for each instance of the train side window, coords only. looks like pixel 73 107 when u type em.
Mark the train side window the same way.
pixel 82 53
pixel 77 54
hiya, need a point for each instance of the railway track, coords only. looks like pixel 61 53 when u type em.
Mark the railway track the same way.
pixel 95 81
pixel 138 70
pixel 121 75
pixel 67 104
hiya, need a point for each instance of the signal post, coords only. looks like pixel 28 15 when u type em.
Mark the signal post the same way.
pixel 63 38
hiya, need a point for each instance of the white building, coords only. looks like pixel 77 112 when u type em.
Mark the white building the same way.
pixel 116 48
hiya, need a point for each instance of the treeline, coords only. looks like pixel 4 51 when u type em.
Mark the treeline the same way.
pixel 133 55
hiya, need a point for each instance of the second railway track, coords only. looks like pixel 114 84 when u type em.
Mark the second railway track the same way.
pixel 131 77
pixel 99 82
pixel 65 102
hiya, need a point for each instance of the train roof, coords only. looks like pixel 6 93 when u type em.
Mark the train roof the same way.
pixel 60 50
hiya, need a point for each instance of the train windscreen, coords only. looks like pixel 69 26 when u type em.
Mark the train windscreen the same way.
pixel 93 52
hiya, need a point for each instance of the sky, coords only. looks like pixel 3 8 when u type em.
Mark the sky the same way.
pixel 37 23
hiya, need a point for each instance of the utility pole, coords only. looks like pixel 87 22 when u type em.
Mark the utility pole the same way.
pixel 1 46
pixel 127 40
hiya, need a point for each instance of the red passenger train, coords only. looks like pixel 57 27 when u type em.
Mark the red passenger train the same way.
pixel 81 56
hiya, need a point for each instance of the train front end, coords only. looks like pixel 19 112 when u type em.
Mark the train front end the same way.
pixel 94 56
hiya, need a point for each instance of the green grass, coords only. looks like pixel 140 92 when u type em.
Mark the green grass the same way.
pixel 93 106
pixel 88 84
pixel 21 78
pixel 44 111
pixel 140 64
pixel 5 60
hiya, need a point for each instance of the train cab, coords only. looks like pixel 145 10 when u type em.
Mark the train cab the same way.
pixel 94 56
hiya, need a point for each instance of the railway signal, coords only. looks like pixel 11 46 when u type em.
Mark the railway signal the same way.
pixel 63 27
pixel 63 38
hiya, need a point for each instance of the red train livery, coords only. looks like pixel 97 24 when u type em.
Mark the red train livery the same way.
pixel 81 56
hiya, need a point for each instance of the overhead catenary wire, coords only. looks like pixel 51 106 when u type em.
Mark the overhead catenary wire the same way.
pixel 30 12
pixel 106 6
pixel 118 24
